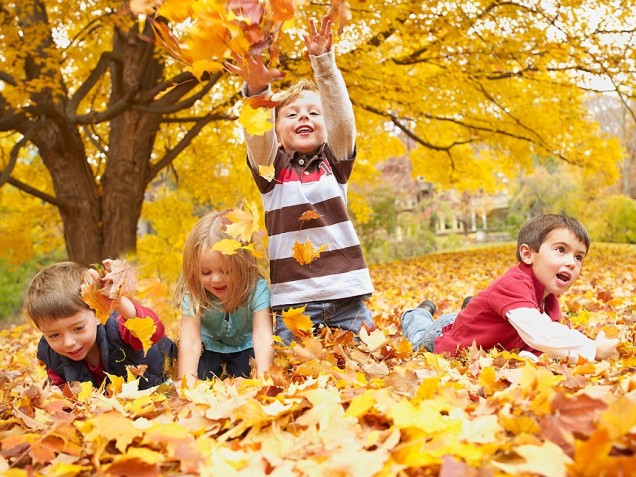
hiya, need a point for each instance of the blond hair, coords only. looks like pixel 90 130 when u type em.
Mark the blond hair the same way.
pixel 242 273
pixel 283 98
pixel 55 292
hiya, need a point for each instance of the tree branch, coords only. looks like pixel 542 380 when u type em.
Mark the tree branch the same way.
pixel 183 143
pixel 90 82
pixel 35 192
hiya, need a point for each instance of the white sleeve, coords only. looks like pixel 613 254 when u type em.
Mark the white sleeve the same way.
pixel 337 109
pixel 539 331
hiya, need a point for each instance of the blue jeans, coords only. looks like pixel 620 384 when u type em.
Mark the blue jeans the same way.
pixel 347 314
pixel 237 363
pixel 419 327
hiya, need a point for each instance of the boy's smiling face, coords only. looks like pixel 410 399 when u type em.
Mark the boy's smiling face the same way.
pixel 557 263
pixel 74 337
pixel 300 125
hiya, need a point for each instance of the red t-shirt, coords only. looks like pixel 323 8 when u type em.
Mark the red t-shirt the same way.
pixel 127 337
pixel 484 320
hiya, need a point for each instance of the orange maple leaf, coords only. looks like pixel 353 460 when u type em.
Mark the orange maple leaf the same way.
pixel 298 323
pixel 304 253
pixel 93 297
pixel 309 215
pixel 340 13
pixel 261 102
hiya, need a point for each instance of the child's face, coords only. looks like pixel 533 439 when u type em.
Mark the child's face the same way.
pixel 300 125
pixel 74 337
pixel 558 262
pixel 213 275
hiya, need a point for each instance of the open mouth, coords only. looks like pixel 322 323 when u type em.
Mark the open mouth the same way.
pixel 564 277
pixel 304 130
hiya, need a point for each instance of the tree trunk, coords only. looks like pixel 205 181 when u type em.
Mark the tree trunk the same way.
pixel 132 136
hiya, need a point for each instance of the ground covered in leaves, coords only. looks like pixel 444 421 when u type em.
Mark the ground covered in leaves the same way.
pixel 335 407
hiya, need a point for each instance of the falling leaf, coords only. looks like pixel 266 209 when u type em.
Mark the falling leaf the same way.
pixel 255 121
pixel 227 246
pixel 261 102
pixel 309 215
pixel 304 253
pixel 143 329
pixel 200 67
pixel 267 172
pixel 243 222
pixel 340 13
pixel 298 323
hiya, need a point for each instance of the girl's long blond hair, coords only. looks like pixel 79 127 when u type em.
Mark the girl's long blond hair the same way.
pixel 242 272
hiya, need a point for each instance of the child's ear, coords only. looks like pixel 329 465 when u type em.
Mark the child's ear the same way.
pixel 525 252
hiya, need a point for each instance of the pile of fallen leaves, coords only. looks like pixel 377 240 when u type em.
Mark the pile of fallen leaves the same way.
pixel 336 406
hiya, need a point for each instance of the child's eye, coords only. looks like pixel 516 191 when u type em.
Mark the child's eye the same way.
pixel 80 328
pixel 314 113
pixel 560 249
pixel 579 258
pixel 53 336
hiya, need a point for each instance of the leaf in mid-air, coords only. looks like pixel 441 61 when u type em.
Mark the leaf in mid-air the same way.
pixel 255 121
pixel 244 222
pixel 227 246
pixel 267 172
pixel 304 253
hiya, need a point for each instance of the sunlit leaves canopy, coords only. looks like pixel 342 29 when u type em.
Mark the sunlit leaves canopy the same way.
pixel 477 86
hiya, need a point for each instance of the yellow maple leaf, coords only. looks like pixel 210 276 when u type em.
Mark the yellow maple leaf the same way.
pixel 298 323
pixel 227 246
pixel 200 67
pixel 267 172
pixel 244 222
pixel 142 329
pixel 86 392
pixel 255 121
pixel 304 253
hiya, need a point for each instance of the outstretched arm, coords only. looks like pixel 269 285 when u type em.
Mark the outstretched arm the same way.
pixel 336 105
pixel 558 340
pixel 261 150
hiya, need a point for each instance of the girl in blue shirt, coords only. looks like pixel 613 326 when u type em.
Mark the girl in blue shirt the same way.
pixel 225 313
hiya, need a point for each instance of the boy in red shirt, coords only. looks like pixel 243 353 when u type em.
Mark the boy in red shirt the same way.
pixel 520 310
pixel 75 346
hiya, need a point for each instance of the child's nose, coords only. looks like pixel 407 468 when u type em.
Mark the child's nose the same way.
pixel 69 340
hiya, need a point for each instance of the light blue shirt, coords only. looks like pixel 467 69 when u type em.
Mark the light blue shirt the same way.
pixel 230 332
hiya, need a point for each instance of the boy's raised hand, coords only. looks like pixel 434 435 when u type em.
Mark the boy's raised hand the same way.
pixel 605 347
pixel 319 42
pixel 254 71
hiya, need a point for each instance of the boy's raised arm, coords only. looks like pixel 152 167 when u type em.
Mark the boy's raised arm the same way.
pixel 336 105
pixel 261 150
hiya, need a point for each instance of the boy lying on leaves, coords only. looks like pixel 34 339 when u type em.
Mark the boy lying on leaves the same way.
pixel 520 310
pixel 75 345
